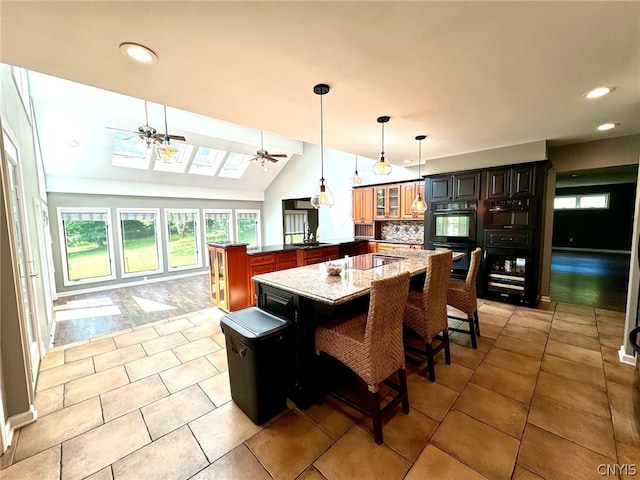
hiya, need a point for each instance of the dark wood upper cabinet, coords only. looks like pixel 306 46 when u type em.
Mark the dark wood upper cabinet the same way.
pixel 455 186
pixel 513 182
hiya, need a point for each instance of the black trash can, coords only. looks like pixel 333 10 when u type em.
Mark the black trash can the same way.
pixel 258 352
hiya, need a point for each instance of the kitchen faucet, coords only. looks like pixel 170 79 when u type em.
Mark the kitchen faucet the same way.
pixel 307 235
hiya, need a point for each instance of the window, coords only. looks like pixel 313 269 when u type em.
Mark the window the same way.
pixel 217 226
pixel 207 161
pixel 180 164
pixel 182 238
pixel 248 227
pixel 87 255
pixel 235 165
pixel 129 152
pixel 578 202
pixel 139 238
pixel 22 84
pixel 294 226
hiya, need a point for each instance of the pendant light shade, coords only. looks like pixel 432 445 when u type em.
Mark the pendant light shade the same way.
pixel 418 206
pixel 165 151
pixel 382 166
pixel 322 198
pixel 356 179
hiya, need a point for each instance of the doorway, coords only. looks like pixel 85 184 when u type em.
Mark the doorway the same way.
pixel 20 247
pixel 592 235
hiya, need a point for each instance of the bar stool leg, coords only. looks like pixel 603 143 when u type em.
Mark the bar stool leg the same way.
pixel 472 331
pixel 402 381
pixel 475 315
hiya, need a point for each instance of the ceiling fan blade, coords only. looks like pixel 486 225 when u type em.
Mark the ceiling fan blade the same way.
pixel 271 159
pixel 121 129
pixel 160 136
pixel 278 155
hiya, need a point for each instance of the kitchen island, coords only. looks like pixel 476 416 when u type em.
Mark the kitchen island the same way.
pixel 308 296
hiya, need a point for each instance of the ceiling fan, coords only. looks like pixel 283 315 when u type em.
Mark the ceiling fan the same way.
pixel 150 135
pixel 262 156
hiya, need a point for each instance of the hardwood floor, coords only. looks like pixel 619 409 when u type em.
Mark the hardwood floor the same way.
pixel 88 315
pixel 591 279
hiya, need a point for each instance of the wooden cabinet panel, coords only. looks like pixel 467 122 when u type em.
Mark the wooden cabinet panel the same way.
pixel 523 181
pixel 228 287
pixel 285 260
pixel 362 199
pixel 466 186
pixel 455 186
pixel 257 270
pixel 440 188
pixel 387 202
pixel 513 182
pixel 330 253
pixel 409 192
pixel 265 259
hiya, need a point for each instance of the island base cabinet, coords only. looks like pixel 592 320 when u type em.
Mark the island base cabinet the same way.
pixel 259 356
pixel 306 386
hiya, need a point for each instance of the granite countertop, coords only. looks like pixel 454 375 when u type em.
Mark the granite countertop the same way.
pixel 284 247
pixel 313 282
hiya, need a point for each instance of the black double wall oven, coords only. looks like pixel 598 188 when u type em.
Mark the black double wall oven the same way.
pixel 453 226
pixel 510 246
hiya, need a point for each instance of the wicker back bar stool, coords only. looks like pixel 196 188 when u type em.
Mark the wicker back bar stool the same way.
pixel 462 295
pixel 370 344
pixel 426 311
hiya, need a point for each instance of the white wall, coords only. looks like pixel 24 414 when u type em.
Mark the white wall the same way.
pixel 300 179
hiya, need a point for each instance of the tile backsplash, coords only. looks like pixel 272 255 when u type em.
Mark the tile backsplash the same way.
pixel 402 231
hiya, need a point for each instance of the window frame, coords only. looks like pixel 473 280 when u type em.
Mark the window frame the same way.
pixel 158 236
pixel 197 232
pixel 580 196
pixel 63 245
pixel 230 229
pixel 238 213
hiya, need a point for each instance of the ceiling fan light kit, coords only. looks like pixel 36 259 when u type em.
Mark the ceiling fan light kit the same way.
pixel 322 198
pixel 263 157
pixel 382 166
pixel 418 205
pixel 166 152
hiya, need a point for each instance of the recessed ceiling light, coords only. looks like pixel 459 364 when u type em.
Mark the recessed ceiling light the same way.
pixel 138 53
pixel 599 92
pixel 607 126
pixel 73 143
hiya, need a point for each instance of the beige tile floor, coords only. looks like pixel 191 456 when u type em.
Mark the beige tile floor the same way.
pixel 543 396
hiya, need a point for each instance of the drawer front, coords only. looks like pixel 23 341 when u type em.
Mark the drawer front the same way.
pixel 261 259
pixel 282 257
pixel 331 252
pixel 505 238
pixel 286 265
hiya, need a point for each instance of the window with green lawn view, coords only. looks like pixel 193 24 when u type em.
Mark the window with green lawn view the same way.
pixel 182 238
pixel 139 235
pixel 87 244
pixel 217 225
pixel 248 227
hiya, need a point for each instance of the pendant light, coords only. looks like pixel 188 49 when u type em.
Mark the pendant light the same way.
pixel 322 198
pixel 165 151
pixel 356 179
pixel 418 206
pixel 382 167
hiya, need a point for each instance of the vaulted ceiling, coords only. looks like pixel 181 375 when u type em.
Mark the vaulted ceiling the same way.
pixel 470 75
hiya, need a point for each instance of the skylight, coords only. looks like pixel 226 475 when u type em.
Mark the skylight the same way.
pixel 180 164
pixel 235 165
pixel 129 152
pixel 207 161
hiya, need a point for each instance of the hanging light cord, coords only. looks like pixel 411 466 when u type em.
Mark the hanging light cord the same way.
pixel 382 149
pixel 321 141
pixel 419 157
pixel 166 130
pixel 356 164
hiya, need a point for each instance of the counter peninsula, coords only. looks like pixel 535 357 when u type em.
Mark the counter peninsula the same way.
pixel 308 296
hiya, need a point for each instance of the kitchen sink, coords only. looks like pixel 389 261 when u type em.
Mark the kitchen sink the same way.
pixel 309 244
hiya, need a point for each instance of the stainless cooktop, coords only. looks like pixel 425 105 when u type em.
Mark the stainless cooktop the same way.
pixel 370 260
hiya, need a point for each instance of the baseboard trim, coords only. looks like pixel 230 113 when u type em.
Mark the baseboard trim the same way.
pixel 20 420
pixel 625 358
pixel 545 298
